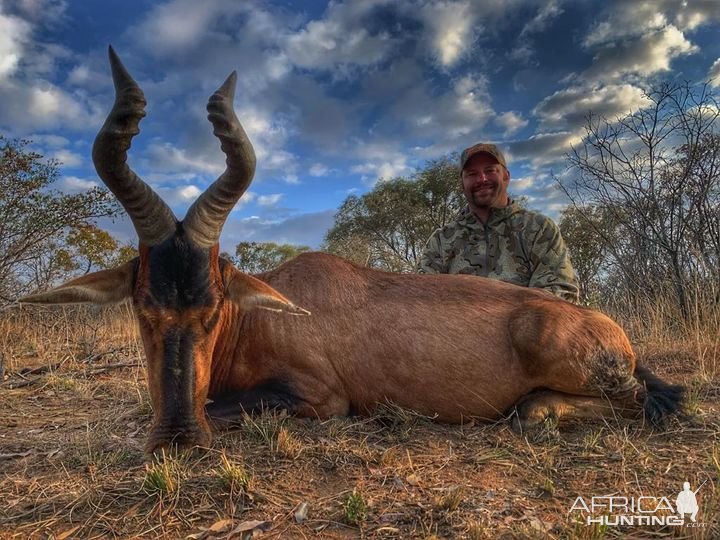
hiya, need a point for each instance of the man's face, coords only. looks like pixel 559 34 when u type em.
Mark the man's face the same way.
pixel 485 182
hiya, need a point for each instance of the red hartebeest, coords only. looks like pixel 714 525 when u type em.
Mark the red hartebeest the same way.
pixel 448 346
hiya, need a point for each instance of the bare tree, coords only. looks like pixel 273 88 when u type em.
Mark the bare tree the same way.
pixel 654 173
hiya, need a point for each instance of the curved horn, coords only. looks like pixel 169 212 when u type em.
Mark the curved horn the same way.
pixel 205 218
pixel 152 218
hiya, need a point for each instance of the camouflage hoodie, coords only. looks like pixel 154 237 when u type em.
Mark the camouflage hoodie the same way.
pixel 516 245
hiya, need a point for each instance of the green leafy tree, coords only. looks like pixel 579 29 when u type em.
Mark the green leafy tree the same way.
pixel 258 257
pixel 33 216
pixel 95 249
pixel 387 228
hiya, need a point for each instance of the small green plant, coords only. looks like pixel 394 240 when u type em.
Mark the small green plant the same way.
pixel 286 444
pixel 61 383
pixel 263 427
pixel 592 439
pixel 694 395
pixel 162 477
pixel 232 475
pixel 354 508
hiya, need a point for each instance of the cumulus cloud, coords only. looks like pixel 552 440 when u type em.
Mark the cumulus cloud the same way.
pixel 73 184
pixel 25 108
pixel 649 54
pixel 318 169
pixel 29 99
pixel 544 149
pixel 269 201
pixel 511 122
pixel 68 158
pixel 464 108
pixel 14 34
pixel 379 161
pixel 714 73
pixel 337 39
pixel 621 20
pixel 569 108
pixel 167 158
pixel 180 25
pixel 451 29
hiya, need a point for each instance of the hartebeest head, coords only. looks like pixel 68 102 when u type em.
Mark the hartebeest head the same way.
pixel 180 289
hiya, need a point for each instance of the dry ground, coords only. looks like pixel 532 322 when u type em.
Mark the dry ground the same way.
pixel 74 412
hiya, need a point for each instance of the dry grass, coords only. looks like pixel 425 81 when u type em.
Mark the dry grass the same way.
pixel 72 430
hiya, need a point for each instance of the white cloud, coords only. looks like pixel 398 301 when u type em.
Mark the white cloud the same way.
pixel 42 11
pixel 318 169
pixel 464 109
pixel 650 54
pixel 543 149
pixel 451 29
pixel 569 108
pixel 269 200
pixel 623 20
pixel 180 25
pixel 714 73
pixel 73 184
pixel 168 158
pixel 325 44
pixel 338 39
pixel 511 122
pixel 382 170
pixel 519 185
pixel 50 140
pixel 626 21
pixel 269 135
pixel 68 158
pixel 25 108
pixel 14 33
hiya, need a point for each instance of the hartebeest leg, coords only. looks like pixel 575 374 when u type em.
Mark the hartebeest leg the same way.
pixel 585 367
pixel 232 406
pixel 532 410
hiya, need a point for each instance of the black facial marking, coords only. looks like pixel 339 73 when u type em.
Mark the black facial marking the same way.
pixel 180 274
pixel 178 373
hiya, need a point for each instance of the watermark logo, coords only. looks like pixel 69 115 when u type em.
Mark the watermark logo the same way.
pixel 616 510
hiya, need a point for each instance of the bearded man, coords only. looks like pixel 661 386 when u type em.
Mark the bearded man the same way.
pixel 494 237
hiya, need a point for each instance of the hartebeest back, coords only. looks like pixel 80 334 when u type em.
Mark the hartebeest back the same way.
pixel 452 347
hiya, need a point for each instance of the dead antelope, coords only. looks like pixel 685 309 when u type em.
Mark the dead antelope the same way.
pixel 448 346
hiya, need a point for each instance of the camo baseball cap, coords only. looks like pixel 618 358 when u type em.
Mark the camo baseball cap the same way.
pixel 482 148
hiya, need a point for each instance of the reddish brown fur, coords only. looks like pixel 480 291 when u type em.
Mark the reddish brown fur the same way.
pixel 447 346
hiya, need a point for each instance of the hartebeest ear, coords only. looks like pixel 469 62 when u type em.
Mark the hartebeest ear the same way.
pixel 103 287
pixel 251 293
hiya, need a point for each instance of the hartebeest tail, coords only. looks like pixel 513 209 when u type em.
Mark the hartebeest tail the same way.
pixel 449 346
pixel 662 400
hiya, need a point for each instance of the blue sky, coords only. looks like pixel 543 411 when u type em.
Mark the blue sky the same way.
pixel 337 96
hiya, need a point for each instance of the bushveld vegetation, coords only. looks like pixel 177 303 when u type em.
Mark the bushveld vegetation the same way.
pixel 74 406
